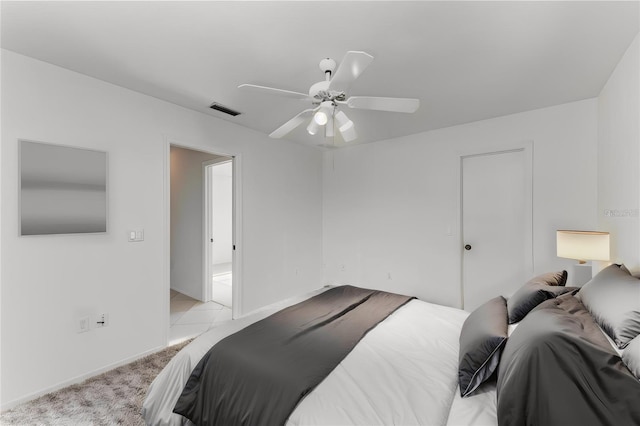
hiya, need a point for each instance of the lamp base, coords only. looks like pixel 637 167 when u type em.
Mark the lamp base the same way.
pixel 582 273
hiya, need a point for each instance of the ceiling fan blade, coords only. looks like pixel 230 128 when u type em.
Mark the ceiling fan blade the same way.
pixel 274 91
pixel 384 104
pixel 350 68
pixel 292 124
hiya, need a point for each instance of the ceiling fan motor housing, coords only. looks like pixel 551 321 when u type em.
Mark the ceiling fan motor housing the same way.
pixel 327 65
pixel 321 93
pixel 316 88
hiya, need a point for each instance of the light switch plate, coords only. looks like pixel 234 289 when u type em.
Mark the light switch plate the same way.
pixel 135 235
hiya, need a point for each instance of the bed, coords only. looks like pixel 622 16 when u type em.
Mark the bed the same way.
pixel 409 368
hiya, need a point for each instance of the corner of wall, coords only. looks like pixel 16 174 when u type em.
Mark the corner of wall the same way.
pixel 618 158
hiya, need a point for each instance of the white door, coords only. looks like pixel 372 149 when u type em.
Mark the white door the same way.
pixel 219 231
pixel 496 225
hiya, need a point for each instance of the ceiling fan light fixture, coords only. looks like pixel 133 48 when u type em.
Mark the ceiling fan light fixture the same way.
pixel 328 129
pixel 326 110
pixel 348 132
pixel 342 119
pixel 346 127
pixel 313 127
pixel 320 118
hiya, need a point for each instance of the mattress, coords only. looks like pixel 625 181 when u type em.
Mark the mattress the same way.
pixel 414 354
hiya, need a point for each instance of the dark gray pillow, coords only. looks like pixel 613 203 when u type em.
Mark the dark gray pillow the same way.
pixel 482 339
pixel 550 278
pixel 536 291
pixel 613 299
pixel 631 356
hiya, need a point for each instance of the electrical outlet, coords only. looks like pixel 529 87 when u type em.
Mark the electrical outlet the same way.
pixel 102 320
pixel 82 325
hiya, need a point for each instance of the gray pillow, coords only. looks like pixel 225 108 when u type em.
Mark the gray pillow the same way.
pixel 536 291
pixel 482 339
pixel 631 356
pixel 613 299
pixel 550 278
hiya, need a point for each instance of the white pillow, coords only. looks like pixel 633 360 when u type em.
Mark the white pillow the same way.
pixel 613 300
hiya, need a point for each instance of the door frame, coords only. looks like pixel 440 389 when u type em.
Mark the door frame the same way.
pixel 237 299
pixel 207 213
pixel 492 149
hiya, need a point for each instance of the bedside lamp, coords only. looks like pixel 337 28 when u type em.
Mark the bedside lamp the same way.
pixel 582 246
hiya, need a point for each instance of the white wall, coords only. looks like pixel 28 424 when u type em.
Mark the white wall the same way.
pixel 388 206
pixel 187 230
pixel 222 206
pixel 50 281
pixel 619 158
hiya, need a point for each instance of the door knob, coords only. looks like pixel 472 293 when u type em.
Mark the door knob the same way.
pixel 467 247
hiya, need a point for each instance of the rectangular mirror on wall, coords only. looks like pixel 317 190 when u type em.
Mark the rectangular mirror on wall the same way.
pixel 63 190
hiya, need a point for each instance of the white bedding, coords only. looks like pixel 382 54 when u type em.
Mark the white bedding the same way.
pixel 404 371
pixel 477 409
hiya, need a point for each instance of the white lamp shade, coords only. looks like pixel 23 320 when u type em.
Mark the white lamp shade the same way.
pixel 320 117
pixel 583 245
pixel 313 127
pixel 346 127
pixel 328 129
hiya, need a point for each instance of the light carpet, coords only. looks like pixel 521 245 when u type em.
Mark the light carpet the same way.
pixel 112 398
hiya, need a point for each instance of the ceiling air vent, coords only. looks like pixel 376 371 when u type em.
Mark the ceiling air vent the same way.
pixel 222 108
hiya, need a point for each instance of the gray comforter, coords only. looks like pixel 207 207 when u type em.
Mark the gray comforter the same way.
pixel 559 369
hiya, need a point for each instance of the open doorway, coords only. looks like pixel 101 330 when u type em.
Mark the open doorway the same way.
pixel 201 218
pixel 219 229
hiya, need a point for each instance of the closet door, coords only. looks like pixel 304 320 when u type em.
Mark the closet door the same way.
pixel 496 225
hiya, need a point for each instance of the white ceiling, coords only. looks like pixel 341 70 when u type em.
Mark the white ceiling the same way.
pixel 465 61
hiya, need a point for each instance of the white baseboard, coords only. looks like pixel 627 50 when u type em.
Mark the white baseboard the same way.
pixel 12 404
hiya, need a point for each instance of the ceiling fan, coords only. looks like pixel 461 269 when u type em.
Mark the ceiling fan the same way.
pixel 326 98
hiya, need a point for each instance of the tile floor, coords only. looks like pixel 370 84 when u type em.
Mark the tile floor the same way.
pixel 222 289
pixel 221 268
pixel 191 317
